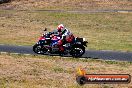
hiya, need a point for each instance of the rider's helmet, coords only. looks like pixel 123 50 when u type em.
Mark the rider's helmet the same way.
pixel 60 28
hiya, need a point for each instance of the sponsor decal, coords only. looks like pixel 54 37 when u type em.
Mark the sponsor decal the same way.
pixel 83 78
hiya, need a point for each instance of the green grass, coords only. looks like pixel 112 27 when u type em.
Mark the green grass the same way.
pixel 104 31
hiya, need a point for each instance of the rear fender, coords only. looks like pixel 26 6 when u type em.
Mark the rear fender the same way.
pixel 81 41
pixel 85 43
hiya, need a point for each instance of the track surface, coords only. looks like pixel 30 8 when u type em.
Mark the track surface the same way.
pixel 86 11
pixel 105 55
pixel 76 11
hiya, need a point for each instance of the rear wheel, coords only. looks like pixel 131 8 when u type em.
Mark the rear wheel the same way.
pixel 78 51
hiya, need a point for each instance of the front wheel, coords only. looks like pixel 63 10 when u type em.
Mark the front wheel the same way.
pixel 77 51
pixel 39 49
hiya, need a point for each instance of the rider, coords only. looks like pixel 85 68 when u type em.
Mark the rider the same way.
pixel 65 35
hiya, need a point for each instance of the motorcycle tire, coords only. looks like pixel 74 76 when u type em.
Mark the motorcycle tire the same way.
pixel 39 50
pixel 75 52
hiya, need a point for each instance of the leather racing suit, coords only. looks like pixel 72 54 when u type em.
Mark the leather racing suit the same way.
pixel 65 36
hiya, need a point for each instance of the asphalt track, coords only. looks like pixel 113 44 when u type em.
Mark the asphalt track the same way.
pixel 76 11
pixel 85 11
pixel 105 55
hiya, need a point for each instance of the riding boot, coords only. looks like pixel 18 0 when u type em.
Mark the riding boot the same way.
pixel 61 50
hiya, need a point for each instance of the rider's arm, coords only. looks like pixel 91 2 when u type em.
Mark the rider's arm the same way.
pixel 65 33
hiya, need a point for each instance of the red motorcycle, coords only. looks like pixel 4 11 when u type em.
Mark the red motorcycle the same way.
pixel 73 45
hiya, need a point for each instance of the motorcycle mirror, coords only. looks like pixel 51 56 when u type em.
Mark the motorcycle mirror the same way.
pixel 45 29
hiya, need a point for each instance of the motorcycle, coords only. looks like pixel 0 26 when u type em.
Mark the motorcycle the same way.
pixel 76 47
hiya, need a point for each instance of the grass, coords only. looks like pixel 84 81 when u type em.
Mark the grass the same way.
pixel 69 5
pixel 104 31
pixel 21 71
